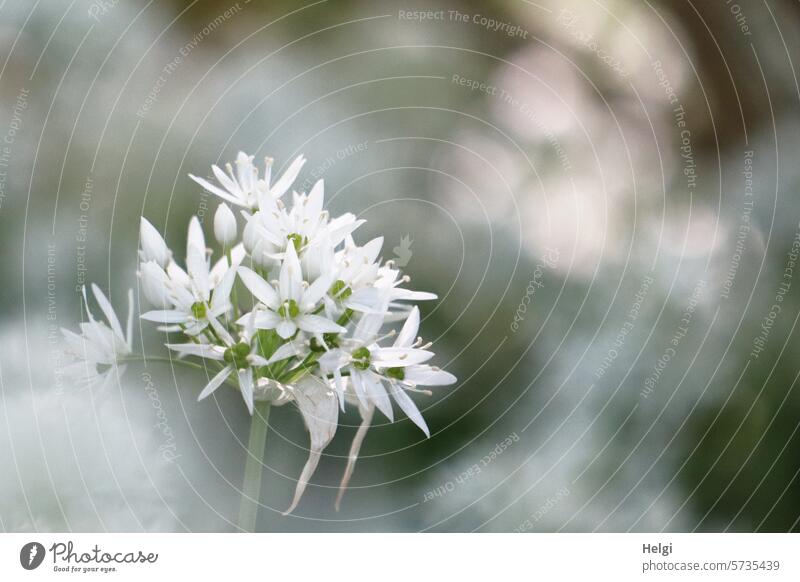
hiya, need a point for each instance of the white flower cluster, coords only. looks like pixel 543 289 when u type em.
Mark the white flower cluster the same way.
pixel 312 329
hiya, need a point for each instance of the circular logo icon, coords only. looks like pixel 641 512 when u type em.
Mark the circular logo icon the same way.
pixel 31 555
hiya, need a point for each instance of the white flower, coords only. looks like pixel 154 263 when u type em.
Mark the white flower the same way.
pixel 238 356
pixel 293 304
pixel 318 304
pixel 305 225
pixel 199 294
pixel 244 188
pixel 153 246
pixel 368 365
pixel 224 225
pixel 99 347
pixel 409 376
pixel 362 284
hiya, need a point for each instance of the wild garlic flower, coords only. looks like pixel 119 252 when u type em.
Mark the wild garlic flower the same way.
pixel 100 348
pixel 239 357
pixel 295 311
pixel 292 305
pixel 244 187
pixel 190 299
pixel 305 225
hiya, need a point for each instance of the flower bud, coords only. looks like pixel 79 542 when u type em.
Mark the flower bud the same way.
pixel 224 225
pixel 250 233
pixel 153 246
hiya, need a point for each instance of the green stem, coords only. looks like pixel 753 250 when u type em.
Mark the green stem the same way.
pixel 251 486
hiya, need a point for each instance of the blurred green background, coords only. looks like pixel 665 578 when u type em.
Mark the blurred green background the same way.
pixel 603 194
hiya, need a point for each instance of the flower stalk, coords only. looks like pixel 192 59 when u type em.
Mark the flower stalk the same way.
pixel 254 464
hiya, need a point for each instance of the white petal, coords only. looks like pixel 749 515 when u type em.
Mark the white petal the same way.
pixel 340 227
pixel 333 360
pixel 197 266
pixel 222 292
pixel 356 376
pixel 221 331
pixel 291 277
pixel 408 406
pixel 166 316
pixel 287 179
pixel 368 300
pixel 215 382
pixel 399 357
pixel 315 292
pixel 155 284
pixel 315 200
pixel 266 320
pixel 377 394
pixel 318 324
pixel 246 386
pixel 196 238
pixel 372 249
pixel 286 328
pixel 218 191
pixel 108 311
pixel 368 327
pixel 153 245
pixel 287 350
pixel 227 183
pixel 408 295
pixel 201 350
pixel 245 171
pixel 178 275
pixel 262 290
pixel 409 331
pixel 428 376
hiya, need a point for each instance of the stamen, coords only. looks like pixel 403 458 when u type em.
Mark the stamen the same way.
pixel 411 387
pixel 386 336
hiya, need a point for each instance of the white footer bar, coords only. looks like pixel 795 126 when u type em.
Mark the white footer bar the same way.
pixel 407 557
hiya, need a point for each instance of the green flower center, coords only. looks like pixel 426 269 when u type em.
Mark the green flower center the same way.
pixel 289 309
pixel 361 358
pixel 298 241
pixel 199 310
pixel 340 290
pixel 236 355
pixel 396 373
